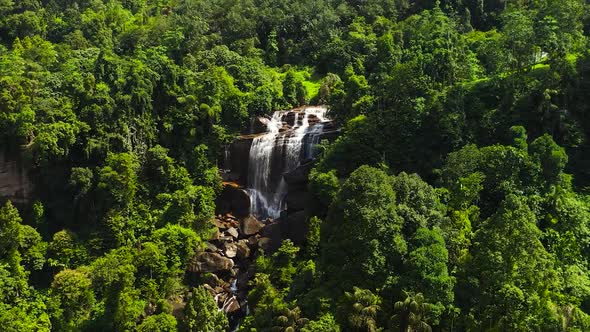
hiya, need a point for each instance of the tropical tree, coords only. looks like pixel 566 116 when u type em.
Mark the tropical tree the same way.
pixel 359 309
pixel 410 314
pixel 202 314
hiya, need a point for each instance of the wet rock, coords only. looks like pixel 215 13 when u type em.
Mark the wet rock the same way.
pixel 313 119
pixel 233 232
pixel 213 280
pixel 210 262
pixel 230 249
pixel 234 199
pixel 271 230
pixel 250 225
pixel 231 305
pixel 219 223
pixel 299 175
pixel 240 151
pixel 290 118
pixel 265 243
pixel 259 125
pixel 242 281
pixel 253 240
pixel 243 250
pixel 226 238
pixel 210 247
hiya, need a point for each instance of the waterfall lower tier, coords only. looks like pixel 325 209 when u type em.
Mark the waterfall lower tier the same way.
pixel 289 140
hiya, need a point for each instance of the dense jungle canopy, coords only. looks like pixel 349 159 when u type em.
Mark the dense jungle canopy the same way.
pixel 456 198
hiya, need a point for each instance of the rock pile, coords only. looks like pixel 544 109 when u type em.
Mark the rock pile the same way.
pixel 224 265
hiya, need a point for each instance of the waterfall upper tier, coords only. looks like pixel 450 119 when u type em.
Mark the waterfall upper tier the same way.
pixel 288 140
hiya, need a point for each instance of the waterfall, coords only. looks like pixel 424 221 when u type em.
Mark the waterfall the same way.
pixel 226 159
pixel 288 140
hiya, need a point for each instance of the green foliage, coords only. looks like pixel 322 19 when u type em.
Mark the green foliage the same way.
pixel 551 156
pixel 158 323
pixel 313 237
pixel 410 313
pixel 359 309
pixel 178 244
pixel 119 178
pixel 511 268
pixel 362 239
pixel 326 323
pixel 427 267
pixel 11 235
pixel 65 251
pixel 72 289
pixel 113 115
pixel 202 314
pixel 324 187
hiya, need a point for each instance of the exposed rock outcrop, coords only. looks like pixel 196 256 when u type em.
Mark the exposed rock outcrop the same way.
pixel 15 184
pixel 250 225
pixel 210 262
pixel 224 265
pixel 298 176
pixel 258 125
pixel 233 199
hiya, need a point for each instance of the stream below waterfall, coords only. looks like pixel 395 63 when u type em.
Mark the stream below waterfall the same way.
pixel 289 140
pixel 265 177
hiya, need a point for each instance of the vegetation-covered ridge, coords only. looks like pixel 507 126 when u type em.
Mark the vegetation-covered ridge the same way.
pixel 455 199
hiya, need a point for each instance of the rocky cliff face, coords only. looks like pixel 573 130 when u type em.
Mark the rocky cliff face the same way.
pixel 265 174
pixel 266 170
pixel 15 184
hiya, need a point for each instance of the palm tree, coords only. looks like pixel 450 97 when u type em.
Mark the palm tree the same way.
pixel 362 306
pixel 409 314
pixel 290 321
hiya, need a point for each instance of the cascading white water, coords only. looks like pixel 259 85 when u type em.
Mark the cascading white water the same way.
pixel 281 149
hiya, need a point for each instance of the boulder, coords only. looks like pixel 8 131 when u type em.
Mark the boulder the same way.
pixel 240 151
pixel 313 119
pixel 271 237
pixel 210 247
pixel 210 262
pixel 290 118
pixel 299 175
pixel 233 199
pixel 233 232
pixel 230 249
pixel 253 240
pixel 243 250
pixel 215 236
pixel 209 288
pixel 250 225
pixel 213 280
pixel 231 305
pixel 219 223
pixel 272 230
pixel 259 125
pixel 265 243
